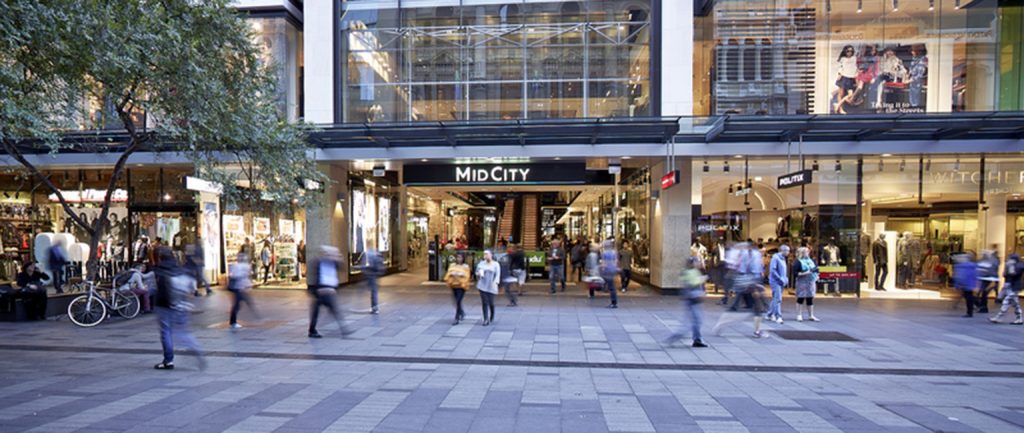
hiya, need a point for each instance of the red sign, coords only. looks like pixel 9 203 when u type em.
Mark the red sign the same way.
pixel 832 275
pixel 670 179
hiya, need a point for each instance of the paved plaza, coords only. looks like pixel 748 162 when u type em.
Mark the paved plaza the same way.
pixel 557 363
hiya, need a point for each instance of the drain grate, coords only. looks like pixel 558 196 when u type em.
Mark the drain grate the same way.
pixel 814 335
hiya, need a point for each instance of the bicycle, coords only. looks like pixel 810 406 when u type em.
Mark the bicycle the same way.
pixel 90 309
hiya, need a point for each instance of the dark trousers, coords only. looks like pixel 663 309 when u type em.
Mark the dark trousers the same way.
pixel 487 304
pixel 627 276
pixel 201 279
pixel 969 300
pixel 609 285
pixel 881 273
pixel 329 301
pixel 266 273
pixel 174 323
pixel 34 302
pixel 512 298
pixel 240 297
pixel 984 288
pixel 58 278
pixel 459 294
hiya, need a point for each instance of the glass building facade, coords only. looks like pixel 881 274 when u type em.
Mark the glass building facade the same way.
pixel 488 60
pixel 857 57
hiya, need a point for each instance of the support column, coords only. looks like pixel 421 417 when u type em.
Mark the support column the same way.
pixel 327 223
pixel 671 226
pixel 992 222
pixel 402 245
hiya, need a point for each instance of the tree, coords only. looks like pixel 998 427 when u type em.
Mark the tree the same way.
pixel 191 66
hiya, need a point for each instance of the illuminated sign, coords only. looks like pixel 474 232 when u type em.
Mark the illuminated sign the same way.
pixel 197 184
pixel 795 179
pixel 669 180
pixel 91 196
pixel 494 174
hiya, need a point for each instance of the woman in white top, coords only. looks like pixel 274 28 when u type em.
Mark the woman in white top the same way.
pixel 487 273
pixel 847 81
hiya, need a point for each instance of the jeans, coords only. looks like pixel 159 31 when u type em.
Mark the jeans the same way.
pixel 58 278
pixel 915 93
pixel 374 288
pixel 459 294
pixel 969 299
pixel 627 276
pixel 1010 299
pixel 881 273
pixel 240 296
pixel 775 308
pixel 609 285
pixel 487 304
pixel 175 323
pixel 512 299
pixel 330 301
pixel 696 317
pixel 984 288
pixel 557 274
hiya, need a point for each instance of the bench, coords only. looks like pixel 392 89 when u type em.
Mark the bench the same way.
pixel 13 310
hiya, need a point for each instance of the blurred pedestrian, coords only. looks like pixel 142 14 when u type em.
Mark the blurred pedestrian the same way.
pixel 173 286
pixel 1013 274
pixel 300 260
pixel 578 257
pixel 988 277
pixel 457 278
pixel 518 265
pixel 778 278
pixel 488 272
pixel 746 284
pixel 692 294
pixel 610 270
pixel 266 260
pixel 240 285
pixel 625 265
pixel 195 262
pixel 556 262
pixel 592 269
pixel 322 281
pixel 57 261
pixel 373 270
pixel 965 279
pixel 806 284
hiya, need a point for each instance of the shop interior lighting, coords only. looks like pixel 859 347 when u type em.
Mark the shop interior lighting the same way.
pixel 726 167
pixel 903 165
pixel 706 167
pixel 814 165
pixel 839 166
pixel 895 5
pixel 167 197
pixel 956 4
pixel 931 5
pixel 860 6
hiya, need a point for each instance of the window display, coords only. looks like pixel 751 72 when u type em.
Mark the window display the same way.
pixel 372 224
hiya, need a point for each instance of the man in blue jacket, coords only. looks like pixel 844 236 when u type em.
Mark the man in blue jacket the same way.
pixel 965 279
pixel 778 278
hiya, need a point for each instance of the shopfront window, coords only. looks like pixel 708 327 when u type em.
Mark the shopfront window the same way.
pixel 477 60
pixel 374 210
pixel 280 44
pixel 848 57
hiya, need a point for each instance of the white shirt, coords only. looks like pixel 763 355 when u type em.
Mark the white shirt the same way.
pixel 848 67
pixel 328 274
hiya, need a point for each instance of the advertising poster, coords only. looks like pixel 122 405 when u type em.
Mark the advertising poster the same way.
pixel 384 224
pixel 261 228
pixel 358 239
pixel 234 235
pixel 878 78
pixel 285 231
pixel 211 234
pixel 117 228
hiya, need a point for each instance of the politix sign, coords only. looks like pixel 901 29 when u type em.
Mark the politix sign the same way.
pixel 802 177
pixel 494 174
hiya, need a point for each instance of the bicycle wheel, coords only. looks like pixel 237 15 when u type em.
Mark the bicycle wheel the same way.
pixel 87 312
pixel 127 305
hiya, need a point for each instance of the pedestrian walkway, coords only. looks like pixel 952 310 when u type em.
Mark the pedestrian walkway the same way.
pixel 556 363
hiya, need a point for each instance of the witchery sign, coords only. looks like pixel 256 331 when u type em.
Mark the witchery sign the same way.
pixel 494 174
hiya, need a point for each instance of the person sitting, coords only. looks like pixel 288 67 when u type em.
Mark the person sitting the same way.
pixel 134 280
pixel 32 291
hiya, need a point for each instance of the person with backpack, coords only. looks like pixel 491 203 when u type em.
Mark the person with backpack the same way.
pixel 1011 289
pixel 610 270
pixel 239 285
pixel 174 285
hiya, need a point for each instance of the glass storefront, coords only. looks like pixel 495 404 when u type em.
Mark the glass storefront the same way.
pixel 280 44
pixel 856 56
pixel 482 60
pixel 374 220
pixel 271 235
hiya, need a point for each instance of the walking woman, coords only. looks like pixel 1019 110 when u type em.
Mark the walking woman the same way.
pixel 239 285
pixel 806 279
pixel 457 278
pixel 487 274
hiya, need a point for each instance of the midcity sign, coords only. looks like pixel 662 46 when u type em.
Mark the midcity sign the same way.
pixel 494 174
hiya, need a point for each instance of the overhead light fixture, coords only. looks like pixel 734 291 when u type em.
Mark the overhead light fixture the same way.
pixel 931 5
pixel 956 166
pixel 956 4
pixel 886 155
pixel 379 171
pixel 860 6
pixel 839 166
pixel 626 157
pixel 706 167
pixel 167 197
pixel 903 165
pixel 814 165
pixel 895 5
pixel 726 167
pixel 424 160
pixel 738 156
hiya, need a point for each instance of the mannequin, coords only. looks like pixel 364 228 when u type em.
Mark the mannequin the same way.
pixel 830 257
pixel 914 257
pixel 699 251
pixel 880 255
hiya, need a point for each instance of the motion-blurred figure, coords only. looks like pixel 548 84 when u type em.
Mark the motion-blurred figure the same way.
pixel 1011 290
pixel 323 279
pixel 173 286
pixel 692 280
pixel 965 279
pixel 240 285
pixel 195 262
pixel 374 269
pixel 457 278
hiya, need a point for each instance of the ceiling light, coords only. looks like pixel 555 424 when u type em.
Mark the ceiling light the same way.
pixel 706 167
pixel 895 5
pixel 839 166
pixel 903 165
pixel 738 156
pixel 956 5
pixel 860 6
pixel 626 157
pixel 424 160
pixel 726 167
pixel 886 155
pixel 814 166
pixel 167 197
pixel 931 5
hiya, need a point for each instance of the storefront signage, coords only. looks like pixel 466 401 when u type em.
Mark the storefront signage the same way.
pixel 494 174
pixel 200 185
pixel 669 180
pixel 802 177
pixel 91 196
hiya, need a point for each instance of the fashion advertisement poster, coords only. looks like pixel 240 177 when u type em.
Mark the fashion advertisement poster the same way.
pixel 286 230
pixel 117 227
pixel 261 228
pixel 234 235
pixel 879 78
pixel 384 224
pixel 358 240
pixel 211 234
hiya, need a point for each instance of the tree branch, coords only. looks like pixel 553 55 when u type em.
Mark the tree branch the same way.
pixel 12 149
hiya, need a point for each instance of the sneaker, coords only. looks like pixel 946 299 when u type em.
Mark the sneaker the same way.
pixel 800 318
pixel 779 320
pixel 164 366
pixel 487 322
pixel 758 334
pixel 613 306
pixel 993 319
pixel 236 326
pixel 698 343
pixel 814 319
pixel 1018 322
pixel 315 335
pixel 375 311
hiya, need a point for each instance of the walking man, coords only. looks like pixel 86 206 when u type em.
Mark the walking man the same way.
pixel 322 281
pixel 556 258
pixel 1011 291
pixel 173 285
pixel 239 284
pixel 373 270
pixel 610 270
pixel 778 278
pixel 57 262
pixel 693 295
